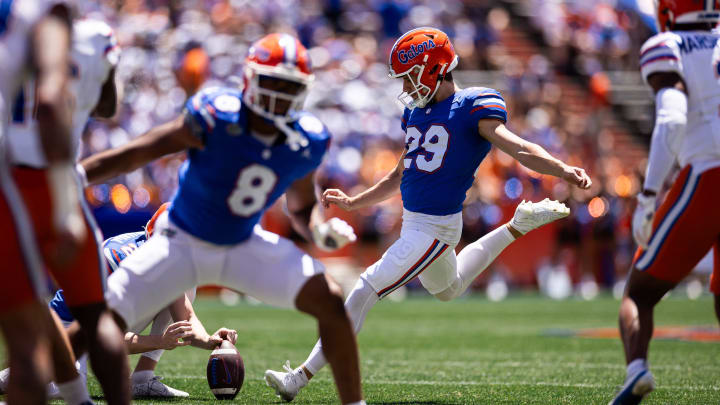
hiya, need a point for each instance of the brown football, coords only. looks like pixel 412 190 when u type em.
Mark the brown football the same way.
pixel 225 371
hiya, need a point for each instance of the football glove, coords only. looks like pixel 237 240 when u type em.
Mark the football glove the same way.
pixel 333 234
pixel 643 219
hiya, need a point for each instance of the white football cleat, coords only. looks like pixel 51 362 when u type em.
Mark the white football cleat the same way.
pixel 634 389
pixel 530 215
pixel 286 385
pixel 154 388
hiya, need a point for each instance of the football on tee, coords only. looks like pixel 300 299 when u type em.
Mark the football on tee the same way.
pixel 225 371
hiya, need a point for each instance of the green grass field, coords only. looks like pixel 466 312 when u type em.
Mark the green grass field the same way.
pixel 470 351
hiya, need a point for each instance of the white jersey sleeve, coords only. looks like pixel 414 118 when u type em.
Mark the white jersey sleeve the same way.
pixel 17 19
pixel 95 53
pixel 94 39
pixel 661 53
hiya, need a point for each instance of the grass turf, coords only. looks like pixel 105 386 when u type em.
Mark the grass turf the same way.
pixel 422 351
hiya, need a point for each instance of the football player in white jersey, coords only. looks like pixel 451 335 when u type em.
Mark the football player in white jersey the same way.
pixel 94 55
pixel 34 39
pixel 682 66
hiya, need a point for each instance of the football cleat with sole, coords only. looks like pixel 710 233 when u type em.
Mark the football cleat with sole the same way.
pixel 634 389
pixel 287 384
pixel 530 215
pixel 156 389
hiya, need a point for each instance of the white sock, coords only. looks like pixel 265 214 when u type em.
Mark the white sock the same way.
pixel 475 258
pixel 361 402
pixel 301 373
pixel 636 366
pixel 74 392
pixel 139 377
pixel 358 304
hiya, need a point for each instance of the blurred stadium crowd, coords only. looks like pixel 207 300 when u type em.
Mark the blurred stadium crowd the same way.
pixel 171 48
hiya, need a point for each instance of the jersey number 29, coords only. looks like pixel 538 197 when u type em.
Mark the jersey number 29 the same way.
pixel 252 189
pixel 432 151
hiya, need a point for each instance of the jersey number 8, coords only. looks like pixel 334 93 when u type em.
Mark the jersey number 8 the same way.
pixel 253 187
pixel 432 151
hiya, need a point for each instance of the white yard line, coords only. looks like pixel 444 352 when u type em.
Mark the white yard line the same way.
pixel 490 383
pixel 524 364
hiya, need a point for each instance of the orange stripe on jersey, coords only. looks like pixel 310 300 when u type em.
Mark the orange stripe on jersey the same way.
pixel 487 106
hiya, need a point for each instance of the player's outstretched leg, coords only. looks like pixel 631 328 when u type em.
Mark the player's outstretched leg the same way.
pixel 287 384
pixel 642 293
pixel 322 298
pixel 106 350
pixel 477 256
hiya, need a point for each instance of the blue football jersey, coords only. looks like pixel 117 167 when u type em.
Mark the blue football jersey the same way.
pixel 115 249
pixel 226 186
pixel 444 149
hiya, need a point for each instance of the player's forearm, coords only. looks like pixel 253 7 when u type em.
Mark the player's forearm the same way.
pixel 667 137
pixel 182 310
pixel 157 142
pixel 535 157
pixel 111 163
pixel 381 191
pixel 51 44
pixel 140 344
pixel 199 338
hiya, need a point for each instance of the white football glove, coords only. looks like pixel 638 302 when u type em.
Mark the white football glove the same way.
pixel 333 234
pixel 643 219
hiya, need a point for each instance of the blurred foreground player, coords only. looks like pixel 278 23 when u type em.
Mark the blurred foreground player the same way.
pixel 94 55
pixel 35 40
pixel 245 150
pixel 682 66
pixel 449 131
pixel 174 326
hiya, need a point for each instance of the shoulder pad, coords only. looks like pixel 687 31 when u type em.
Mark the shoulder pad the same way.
pixel 483 102
pixel 213 106
pixel 661 53
pixel 96 34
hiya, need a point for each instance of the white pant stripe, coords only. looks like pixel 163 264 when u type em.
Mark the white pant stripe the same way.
pixel 658 237
pixel 417 270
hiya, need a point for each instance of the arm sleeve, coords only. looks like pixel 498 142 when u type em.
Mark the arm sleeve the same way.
pixel 668 134
pixel 487 104
pixel 661 53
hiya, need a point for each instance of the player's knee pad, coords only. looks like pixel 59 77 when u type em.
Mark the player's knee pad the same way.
pixel 453 291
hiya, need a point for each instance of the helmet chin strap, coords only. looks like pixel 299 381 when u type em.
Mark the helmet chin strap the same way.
pixel 294 139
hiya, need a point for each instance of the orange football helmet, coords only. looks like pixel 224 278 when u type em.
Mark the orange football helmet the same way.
pixel 425 55
pixel 150 227
pixel 278 56
pixel 671 12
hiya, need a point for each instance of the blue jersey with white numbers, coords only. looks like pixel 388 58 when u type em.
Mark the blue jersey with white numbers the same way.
pixel 226 186
pixel 115 249
pixel 444 149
